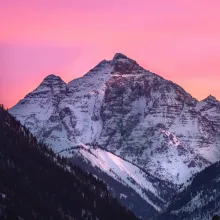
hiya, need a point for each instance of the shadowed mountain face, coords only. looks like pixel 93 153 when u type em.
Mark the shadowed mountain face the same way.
pixel 135 114
pixel 198 201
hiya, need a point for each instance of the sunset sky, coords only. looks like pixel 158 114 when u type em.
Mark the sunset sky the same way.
pixel 177 39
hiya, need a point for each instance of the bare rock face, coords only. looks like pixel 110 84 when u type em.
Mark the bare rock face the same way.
pixel 129 111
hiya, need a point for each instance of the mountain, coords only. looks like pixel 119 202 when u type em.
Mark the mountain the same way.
pixel 37 184
pixel 200 200
pixel 120 109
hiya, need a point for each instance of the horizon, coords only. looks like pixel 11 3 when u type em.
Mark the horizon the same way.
pixel 177 40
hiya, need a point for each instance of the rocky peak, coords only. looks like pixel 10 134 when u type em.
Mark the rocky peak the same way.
pixel 51 83
pixel 123 65
pixel 211 100
pixel 52 80
pixel 119 56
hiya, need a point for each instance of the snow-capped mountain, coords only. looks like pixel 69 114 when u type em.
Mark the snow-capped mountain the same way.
pixel 133 113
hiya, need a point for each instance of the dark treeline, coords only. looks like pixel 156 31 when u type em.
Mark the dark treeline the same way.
pixel 37 184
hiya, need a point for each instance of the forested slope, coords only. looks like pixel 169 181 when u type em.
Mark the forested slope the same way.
pixel 37 184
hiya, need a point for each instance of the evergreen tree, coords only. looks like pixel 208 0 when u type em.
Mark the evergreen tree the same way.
pixel 215 217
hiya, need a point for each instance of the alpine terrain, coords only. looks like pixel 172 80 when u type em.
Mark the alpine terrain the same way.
pixel 200 200
pixel 133 126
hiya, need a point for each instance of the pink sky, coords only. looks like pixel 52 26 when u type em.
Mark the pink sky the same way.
pixel 176 39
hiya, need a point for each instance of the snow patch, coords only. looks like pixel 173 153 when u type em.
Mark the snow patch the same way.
pixel 121 170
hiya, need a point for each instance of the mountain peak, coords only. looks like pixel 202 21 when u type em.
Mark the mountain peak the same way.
pixel 52 82
pixel 119 56
pixel 211 99
pixel 52 77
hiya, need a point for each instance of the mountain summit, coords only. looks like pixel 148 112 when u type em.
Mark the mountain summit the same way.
pixel 119 56
pixel 211 99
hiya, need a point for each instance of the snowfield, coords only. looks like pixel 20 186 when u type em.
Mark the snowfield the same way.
pixel 121 170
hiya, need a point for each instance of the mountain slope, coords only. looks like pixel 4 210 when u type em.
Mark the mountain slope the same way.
pixel 142 193
pixel 200 200
pixel 35 184
pixel 154 191
pixel 128 111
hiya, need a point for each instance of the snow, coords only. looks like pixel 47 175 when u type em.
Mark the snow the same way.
pixel 3 195
pixel 123 196
pixel 174 139
pixel 121 170
pixel 89 98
